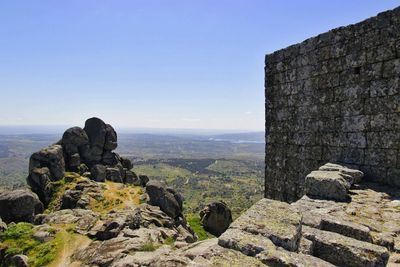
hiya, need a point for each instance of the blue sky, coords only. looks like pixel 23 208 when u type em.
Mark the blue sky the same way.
pixel 152 63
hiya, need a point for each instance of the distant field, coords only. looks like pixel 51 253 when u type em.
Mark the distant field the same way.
pixel 238 183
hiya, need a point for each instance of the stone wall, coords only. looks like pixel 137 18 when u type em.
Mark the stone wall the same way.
pixel 334 98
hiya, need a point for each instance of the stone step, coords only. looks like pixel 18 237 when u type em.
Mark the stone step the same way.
pixel 263 249
pixel 346 228
pixel 278 221
pixel 345 251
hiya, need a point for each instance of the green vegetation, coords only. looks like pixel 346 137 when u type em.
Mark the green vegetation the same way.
pixel 169 241
pixel 195 224
pixel 148 247
pixel 18 239
pixel 237 182
pixel 116 196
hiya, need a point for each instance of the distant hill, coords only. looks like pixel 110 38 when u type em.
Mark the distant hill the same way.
pixel 252 137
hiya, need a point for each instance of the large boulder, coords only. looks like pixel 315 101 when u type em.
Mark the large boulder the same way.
pixel 96 131
pixel 126 163
pixel 19 206
pixel 39 180
pixel 216 217
pixel 114 175
pixel 144 179
pixel 168 200
pixel 131 178
pixel 51 157
pixel 98 173
pixel 73 140
pixel 111 138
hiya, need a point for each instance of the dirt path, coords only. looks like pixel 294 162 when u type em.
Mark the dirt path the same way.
pixel 71 243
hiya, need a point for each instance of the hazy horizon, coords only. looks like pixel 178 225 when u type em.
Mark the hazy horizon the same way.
pixel 59 129
pixel 152 64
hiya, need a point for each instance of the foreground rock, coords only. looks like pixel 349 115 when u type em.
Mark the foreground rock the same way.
pixel 216 218
pixel 19 206
pixel 167 199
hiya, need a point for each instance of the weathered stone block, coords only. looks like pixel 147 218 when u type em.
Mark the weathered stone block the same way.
pixel 344 251
pixel 327 185
pixel 276 220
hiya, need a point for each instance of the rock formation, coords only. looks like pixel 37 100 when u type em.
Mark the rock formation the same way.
pixel 111 218
pixel 216 217
pixel 80 150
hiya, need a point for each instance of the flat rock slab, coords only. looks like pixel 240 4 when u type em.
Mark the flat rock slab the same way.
pixel 278 221
pixel 327 185
pixel 352 175
pixel 209 253
pixel 247 243
pixel 346 228
pixel 263 249
pixel 345 251
pixel 281 257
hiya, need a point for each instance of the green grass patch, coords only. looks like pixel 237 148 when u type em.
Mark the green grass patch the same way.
pixel 148 247
pixel 195 224
pixel 169 241
pixel 18 239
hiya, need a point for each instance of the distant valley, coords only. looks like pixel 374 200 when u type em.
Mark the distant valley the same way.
pixel 203 168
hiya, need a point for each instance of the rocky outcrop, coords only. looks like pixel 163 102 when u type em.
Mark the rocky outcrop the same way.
pixel 87 151
pixel 19 206
pixel 216 218
pixel 129 232
pixel 332 181
pixel 167 199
